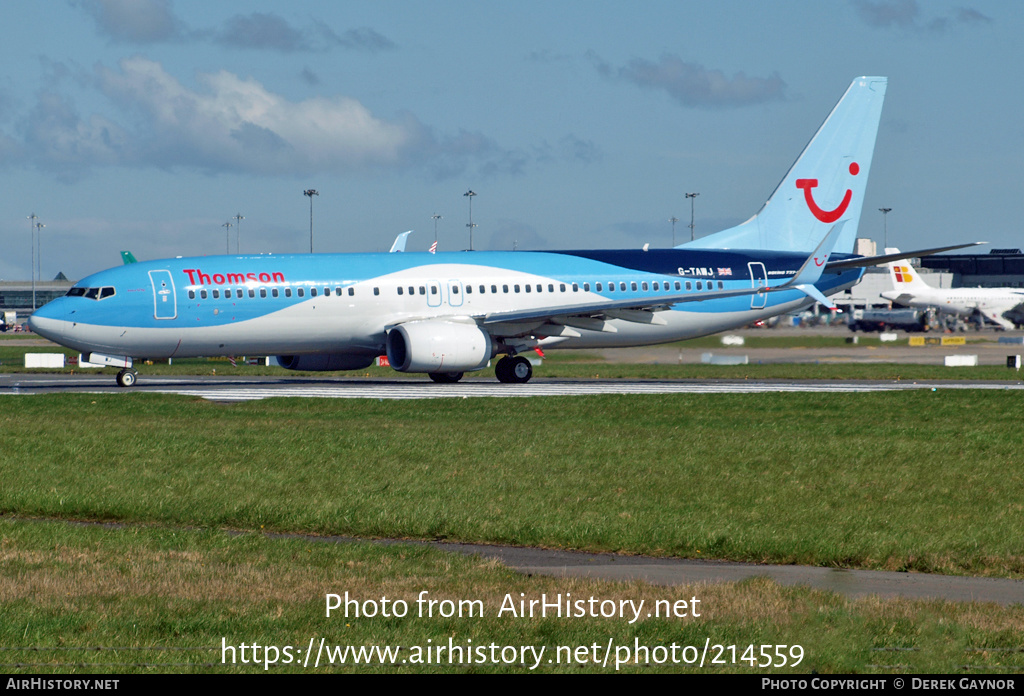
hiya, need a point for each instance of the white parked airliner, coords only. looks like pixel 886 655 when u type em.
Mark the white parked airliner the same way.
pixel 1000 306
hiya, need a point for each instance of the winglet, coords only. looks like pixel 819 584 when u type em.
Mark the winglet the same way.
pixel 813 267
pixel 400 241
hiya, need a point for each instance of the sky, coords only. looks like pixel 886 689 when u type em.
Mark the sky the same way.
pixel 147 125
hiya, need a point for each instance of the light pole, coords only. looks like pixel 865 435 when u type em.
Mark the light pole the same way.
pixel 311 193
pixel 227 237
pixel 32 241
pixel 469 194
pixel 885 227
pixel 691 196
pixel 238 232
pixel 673 220
pixel 435 217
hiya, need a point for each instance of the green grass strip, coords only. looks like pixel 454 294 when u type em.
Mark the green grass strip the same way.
pixel 925 480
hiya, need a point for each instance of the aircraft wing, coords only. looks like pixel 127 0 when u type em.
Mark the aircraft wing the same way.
pixel 865 261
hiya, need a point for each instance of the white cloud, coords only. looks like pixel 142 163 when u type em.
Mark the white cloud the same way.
pixel 231 123
pixel 226 123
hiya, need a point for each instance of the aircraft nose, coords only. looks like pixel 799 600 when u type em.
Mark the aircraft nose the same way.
pixel 49 320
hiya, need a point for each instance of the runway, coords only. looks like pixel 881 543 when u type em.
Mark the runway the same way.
pixel 235 389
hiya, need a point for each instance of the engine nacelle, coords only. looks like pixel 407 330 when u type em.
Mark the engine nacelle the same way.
pixel 326 362
pixel 438 346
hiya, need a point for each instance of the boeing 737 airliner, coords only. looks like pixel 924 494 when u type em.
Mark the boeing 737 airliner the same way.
pixel 449 313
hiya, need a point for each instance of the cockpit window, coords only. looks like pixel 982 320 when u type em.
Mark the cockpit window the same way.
pixel 92 293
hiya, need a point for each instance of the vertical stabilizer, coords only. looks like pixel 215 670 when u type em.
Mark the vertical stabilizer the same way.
pixel 905 277
pixel 824 186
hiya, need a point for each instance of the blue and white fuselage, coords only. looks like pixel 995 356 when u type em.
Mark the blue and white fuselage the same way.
pixel 449 313
pixel 345 304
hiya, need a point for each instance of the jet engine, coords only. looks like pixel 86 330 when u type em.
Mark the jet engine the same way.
pixel 438 346
pixel 326 362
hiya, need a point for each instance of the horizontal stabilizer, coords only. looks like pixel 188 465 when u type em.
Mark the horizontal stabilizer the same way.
pixel 865 261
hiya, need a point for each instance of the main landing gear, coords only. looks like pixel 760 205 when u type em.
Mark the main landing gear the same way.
pixel 513 370
pixel 127 377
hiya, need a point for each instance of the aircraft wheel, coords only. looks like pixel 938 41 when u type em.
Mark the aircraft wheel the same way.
pixel 503 370
pixel 126 378
pixel 445 377
pixel 521 371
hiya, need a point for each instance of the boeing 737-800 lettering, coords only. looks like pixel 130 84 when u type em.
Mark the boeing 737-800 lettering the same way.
pixel 449 313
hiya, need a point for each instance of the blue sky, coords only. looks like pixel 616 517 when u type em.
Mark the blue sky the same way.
pixel 148 124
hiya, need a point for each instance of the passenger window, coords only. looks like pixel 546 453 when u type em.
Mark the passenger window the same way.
pixel 400 290
pixel 656 286
pixel 504 288
pixel 455 289
pixel 561 287
pixel 516 288
pixel 263 292
pixel 494 289
pixel 351 292
pixel 586 287
pixel 469 289
pixel 540 288
pixel 483 289
pixel 312 292
pixel 287 292
pixel 632 286
pixel 216 294
pixel 273 292
pixel 551 287
pixel 643 286
pixel 529 289
pixel 433 289
pixel 202 294
pixel 191 294
pixel 575 287
pixel 680 288
pixel 301 292
pixel 622 287
pixel 688 286
pixel 252 293
pixel 611 287
pixel 700 285
pixel 721 285
pixel 423 290
pixel 376 291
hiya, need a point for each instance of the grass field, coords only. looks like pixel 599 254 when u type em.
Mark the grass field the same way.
pixel 922 481
pixel 169 601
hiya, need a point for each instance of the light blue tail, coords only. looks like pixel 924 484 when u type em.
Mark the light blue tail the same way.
pixel 824 186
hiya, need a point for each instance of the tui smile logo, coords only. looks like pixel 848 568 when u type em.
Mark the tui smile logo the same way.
pixel 816 210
